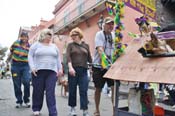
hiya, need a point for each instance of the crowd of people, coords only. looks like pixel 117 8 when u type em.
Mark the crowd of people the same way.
pixel 40 64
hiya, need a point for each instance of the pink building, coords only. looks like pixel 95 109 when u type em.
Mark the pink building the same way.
pixel 24 29
pixel 33 35
pixel 85 14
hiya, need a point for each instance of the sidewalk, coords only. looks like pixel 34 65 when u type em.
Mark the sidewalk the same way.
pixel 7 103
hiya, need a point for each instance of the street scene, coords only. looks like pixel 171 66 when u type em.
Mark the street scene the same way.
pixel 87 58
pixel 8 105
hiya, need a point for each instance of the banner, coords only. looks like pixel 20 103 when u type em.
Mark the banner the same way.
pixel 147 7
pixel 143 6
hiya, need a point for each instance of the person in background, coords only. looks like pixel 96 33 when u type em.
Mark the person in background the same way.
pixel 8 73
pixel 103 44
pixel 3 72
pixel 45 64
pixel 64 79
pixel 20 69
pixel 78 55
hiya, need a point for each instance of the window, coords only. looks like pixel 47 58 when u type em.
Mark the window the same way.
pixel 66 16
pixel 98 1
pixel 80 6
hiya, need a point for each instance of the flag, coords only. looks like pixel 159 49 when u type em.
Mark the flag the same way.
pixel 104 62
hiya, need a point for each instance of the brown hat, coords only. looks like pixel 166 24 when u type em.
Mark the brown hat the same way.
pixel 108 20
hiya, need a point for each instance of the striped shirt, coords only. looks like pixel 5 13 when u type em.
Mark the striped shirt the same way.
pixel 19 52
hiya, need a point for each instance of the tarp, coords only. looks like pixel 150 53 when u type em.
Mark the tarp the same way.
pixel 131 66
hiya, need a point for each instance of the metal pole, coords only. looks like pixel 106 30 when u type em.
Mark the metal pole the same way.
pixel 116 96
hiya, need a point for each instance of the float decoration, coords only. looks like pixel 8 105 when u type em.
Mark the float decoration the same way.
pixel 119 14
pixel 143 23
pixel 155 43
pixel 118 11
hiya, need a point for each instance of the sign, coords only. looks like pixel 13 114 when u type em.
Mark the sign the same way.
pixel 147 7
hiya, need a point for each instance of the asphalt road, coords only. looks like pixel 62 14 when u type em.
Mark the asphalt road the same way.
pixel 7 102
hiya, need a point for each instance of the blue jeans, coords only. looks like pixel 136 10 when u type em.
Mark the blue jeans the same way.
pixel 21 75
pixel 80 79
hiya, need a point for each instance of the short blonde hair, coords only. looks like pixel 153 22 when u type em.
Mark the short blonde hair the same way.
pixel 44 33
pixel 76 31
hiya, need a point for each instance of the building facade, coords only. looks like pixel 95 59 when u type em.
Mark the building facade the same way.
pixel 35 30
pixel 85 14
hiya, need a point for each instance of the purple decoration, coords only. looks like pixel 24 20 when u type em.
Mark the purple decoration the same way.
pixel 141 20
pixel 126 45
pixel 119 45
pixel 117 27
pixel 166 35
pixel 120 35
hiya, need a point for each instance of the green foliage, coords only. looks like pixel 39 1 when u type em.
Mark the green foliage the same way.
pixel 3 51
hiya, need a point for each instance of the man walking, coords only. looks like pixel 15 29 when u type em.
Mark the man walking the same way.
pixel 103 45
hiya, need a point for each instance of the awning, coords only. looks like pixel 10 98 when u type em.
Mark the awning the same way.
pixel 131 66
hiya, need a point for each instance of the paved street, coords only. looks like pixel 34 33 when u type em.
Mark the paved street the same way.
pixel 7 103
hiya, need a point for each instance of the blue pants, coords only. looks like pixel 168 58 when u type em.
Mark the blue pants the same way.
pixel 80 79
pixel 21 75
pixel 44 81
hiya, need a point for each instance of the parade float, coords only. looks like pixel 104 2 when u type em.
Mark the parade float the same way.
pixel 148 58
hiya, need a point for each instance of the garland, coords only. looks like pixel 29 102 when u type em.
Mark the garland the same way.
pixel 118 11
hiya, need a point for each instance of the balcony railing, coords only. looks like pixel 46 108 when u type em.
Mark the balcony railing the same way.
pixel 76 13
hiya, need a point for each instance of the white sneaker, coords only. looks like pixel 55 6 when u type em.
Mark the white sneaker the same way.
pixel 85 113
pixel 36 113
pixel 27 105
pixel 73 111
pixel 173 107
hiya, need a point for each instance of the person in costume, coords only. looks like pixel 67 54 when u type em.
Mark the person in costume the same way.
pixel 104 46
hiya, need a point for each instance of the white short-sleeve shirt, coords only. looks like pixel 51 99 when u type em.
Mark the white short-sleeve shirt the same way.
pixel 102 41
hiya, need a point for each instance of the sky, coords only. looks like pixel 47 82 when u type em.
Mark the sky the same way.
pixel 19 13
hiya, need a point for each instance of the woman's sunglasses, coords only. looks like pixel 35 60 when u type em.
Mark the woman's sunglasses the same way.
pixel 49 34
pixel 110 23
pixel 74 35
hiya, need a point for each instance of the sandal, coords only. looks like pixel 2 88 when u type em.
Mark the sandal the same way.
pixel 96 113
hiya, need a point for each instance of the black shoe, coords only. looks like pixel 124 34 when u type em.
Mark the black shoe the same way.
pixel 27 105
pixel 18 105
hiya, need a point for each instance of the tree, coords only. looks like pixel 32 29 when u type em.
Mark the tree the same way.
pixel 3 51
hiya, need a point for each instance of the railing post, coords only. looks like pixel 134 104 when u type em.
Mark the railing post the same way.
pixel 116 96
